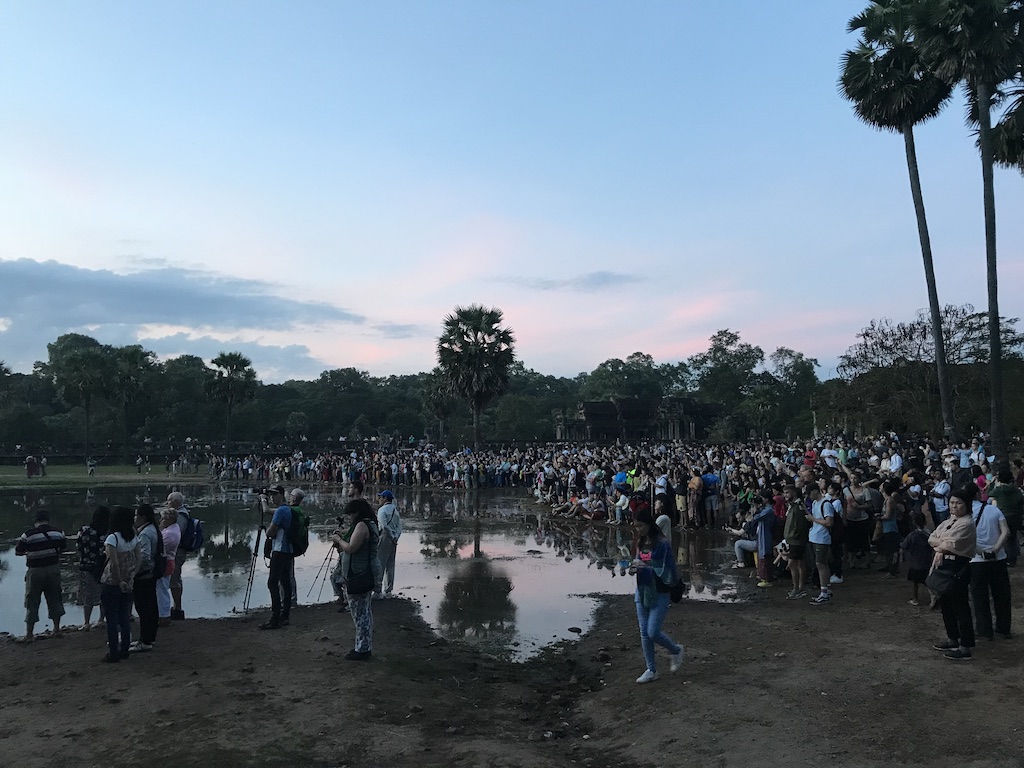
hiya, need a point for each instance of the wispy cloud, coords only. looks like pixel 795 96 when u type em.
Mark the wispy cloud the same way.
pixel 587 282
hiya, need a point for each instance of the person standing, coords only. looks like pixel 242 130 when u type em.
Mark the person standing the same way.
pixel 821 517
pixel 280 580
pixel 795 535
pixel 176 501
pixel 171 534
pixel 91 561
pixel 144 586
pixel 655 570
pixel 389 523
pixel 360 563
pixel 1010 500
pixel 955 543
pixel 123 558
pixel 41 546
pixel 989 576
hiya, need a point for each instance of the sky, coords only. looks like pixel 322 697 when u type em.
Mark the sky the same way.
pixel 318 184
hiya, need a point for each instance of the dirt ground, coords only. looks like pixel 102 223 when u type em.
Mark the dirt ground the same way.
pixel 768 682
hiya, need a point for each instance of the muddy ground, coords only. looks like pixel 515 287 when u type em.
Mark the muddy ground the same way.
pixel 771 682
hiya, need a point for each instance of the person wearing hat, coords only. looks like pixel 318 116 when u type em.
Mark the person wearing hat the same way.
pixel 390 524
pixel 41 546
pixel 280 581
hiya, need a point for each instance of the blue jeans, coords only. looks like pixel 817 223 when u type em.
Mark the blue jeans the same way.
pixel 743 545
pixel 118 608
pixel 650 621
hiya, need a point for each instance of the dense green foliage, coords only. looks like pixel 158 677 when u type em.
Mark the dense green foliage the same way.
pixel 887 381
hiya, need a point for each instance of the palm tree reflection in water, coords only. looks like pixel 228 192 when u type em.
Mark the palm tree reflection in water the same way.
pixel 477 602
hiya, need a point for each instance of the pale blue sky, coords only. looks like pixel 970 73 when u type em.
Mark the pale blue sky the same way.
pixel 614 176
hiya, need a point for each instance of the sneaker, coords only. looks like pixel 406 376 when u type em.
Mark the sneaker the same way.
pixel 138 646
pixel 763 584
pixel 677 660
pixel 835 580
pixel 796 594
pixel 958 655
pixel 946 645
pixel 647 677
pixel 822 599
pixel 177 615
pixel 355 655
pixel 271 625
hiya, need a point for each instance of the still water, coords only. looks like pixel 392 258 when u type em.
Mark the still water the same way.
pixel 481 565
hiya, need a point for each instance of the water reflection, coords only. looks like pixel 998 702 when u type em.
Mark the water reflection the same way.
pixel 477 602
pixel 491 567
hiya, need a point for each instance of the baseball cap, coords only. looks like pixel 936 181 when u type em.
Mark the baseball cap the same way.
pixel 277 489
pixel 386 495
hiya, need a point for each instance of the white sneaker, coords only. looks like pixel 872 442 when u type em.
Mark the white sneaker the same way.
pixel 647 677
pixel 138 646
pixel 835 580
pixel 677 660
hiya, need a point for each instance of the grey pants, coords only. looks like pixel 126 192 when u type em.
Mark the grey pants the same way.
pixel 39 583
pixel 386 555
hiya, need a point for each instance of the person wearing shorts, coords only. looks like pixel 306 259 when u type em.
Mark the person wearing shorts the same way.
pixel 796 537
pixel 821 517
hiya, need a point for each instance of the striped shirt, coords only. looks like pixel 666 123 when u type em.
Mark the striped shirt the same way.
pixel 41 545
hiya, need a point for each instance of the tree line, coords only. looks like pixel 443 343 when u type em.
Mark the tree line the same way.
pixel 89 394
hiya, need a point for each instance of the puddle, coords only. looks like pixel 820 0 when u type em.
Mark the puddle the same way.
pixel 481 566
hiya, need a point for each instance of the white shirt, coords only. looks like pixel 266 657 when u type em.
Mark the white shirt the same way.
pixel 987 530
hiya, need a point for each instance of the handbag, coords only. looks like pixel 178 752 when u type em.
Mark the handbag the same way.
pixel 942 580
pixel 361 582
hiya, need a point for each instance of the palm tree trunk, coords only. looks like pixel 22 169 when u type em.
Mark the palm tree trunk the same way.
pixel 995 343
pixel 476 427
pixel 941 369
pixel 88 408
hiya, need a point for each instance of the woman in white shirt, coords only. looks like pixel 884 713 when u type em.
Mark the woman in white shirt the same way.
pixel 123 560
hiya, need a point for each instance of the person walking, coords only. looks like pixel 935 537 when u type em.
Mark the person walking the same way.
pixel 41 546
pixel 389 523
pixel 655 570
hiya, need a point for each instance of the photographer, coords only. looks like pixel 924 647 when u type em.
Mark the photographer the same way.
pixel 280 581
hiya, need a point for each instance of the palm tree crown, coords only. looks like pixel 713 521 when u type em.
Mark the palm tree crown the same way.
pixel 475 354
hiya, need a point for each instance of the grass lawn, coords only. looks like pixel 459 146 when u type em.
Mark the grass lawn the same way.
pixel 78 475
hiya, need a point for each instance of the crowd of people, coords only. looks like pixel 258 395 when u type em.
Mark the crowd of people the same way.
pixel 131 559
pixel 806 513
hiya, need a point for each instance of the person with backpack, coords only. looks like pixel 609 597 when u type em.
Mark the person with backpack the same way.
pixel 822 518
pixel 191 540
pixel 280 579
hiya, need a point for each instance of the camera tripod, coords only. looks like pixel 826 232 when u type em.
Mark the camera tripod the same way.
pixel 255 559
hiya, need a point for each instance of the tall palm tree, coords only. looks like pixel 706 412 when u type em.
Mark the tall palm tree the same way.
pixel 234 382
pixel 80 368
pixel 132 366
pixel 892 90
pixel 475 354
pixel 978 43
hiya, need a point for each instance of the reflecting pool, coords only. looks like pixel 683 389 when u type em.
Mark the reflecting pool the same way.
pixel 489 567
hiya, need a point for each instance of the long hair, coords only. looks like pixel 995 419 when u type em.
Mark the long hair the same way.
pixel 361 510
pixel 122 521
pixel 101 521
pixel 653 535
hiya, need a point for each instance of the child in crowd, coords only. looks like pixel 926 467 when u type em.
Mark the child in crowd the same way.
pixel 918 554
